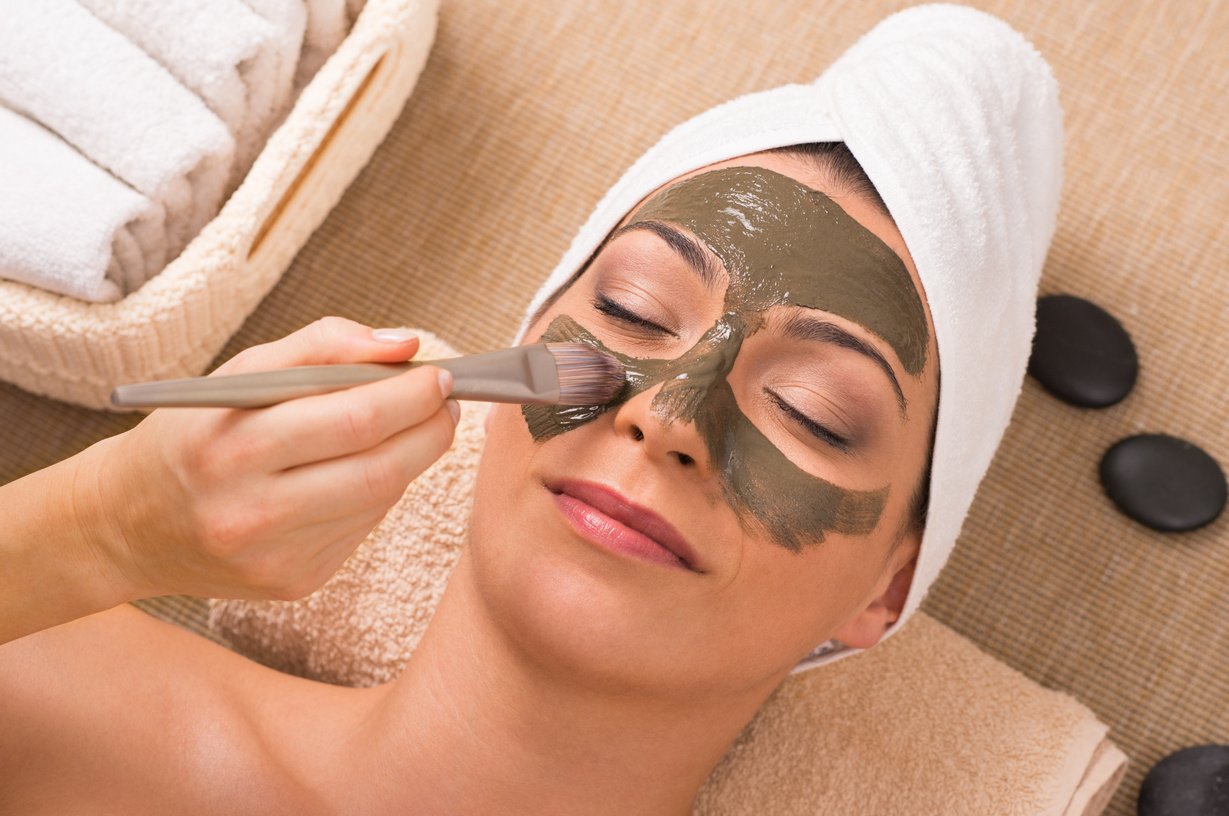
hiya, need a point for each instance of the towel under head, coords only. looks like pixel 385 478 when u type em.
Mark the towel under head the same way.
pixel 955 118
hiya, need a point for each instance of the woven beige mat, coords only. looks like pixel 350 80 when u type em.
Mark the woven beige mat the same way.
pixel 528 111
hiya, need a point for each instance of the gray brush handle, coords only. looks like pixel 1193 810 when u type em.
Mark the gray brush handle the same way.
pixel 252 390
pixel 524 374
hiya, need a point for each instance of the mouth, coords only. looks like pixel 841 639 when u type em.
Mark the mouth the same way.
pixel 605 517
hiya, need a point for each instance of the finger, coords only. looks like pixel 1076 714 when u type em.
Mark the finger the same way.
pixel 326 341
pixel 372 480
pixel 340 423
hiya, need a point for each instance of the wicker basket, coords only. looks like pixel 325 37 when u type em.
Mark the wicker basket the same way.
pixel 176 323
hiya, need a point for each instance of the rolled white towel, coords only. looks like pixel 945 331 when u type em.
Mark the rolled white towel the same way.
pixel 210 48
pixel 67 225
pixel 69 71
pixel 328 22
pixel 270 77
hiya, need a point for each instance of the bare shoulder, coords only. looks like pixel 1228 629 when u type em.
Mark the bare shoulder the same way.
pixel 120 712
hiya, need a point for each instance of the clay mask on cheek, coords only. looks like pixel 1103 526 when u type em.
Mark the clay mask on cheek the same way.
pixel 781 243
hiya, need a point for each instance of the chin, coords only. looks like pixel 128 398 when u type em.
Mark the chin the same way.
pixel 583 614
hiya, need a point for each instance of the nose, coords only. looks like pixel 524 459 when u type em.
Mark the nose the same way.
pixel 676 443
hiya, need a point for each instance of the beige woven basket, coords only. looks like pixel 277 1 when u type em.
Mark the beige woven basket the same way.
pixel 175 324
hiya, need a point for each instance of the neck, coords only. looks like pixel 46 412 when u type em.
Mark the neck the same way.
pixel 476 725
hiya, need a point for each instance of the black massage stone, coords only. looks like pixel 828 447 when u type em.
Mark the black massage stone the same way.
pixel 1164 482
pixel 1081 354
pixel 1190 782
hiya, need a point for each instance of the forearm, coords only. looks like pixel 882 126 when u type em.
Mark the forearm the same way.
pixel 56 547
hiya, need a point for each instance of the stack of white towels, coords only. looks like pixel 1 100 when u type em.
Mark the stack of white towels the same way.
pixel 125 125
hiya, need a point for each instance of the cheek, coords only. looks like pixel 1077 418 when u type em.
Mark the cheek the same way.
pixel 904 472
pixel 507 433
pixel 503 504
pixel 800 599
pixel 508 448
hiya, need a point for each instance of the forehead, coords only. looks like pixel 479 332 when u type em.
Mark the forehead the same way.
pixel 813 174
pixel 785 243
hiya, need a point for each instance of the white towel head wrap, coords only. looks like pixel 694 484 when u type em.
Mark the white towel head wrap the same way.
pixel 955 118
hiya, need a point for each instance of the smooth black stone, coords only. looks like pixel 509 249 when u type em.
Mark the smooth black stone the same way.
pixel 1191 782
pixel 1081 354
pixel 1164 482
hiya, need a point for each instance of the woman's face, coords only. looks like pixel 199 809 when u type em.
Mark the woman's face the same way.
pixel 739 503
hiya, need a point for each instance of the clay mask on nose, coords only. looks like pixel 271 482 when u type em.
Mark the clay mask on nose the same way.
pixel 781 243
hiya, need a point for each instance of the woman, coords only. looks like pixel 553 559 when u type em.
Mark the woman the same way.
pixel 639 578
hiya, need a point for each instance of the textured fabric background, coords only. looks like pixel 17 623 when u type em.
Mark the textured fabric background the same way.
pixel 527 111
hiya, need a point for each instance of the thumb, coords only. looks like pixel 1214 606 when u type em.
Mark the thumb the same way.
pixel 327 341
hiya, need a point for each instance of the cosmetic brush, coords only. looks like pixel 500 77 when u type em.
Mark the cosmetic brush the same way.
pixel 540 373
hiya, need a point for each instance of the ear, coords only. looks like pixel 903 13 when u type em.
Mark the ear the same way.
pixel 865 629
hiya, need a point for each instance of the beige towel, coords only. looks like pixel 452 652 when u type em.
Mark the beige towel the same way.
pixel 925 723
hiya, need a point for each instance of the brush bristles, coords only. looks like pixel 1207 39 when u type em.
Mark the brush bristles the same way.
pixel 587 375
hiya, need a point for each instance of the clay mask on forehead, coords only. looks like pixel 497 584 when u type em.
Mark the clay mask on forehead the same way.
pixel 781 243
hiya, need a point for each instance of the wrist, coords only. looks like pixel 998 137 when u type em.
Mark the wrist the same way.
pixel 55 554
pixel 100 514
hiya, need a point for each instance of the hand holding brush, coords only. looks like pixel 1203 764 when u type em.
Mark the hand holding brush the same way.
pixel 265 503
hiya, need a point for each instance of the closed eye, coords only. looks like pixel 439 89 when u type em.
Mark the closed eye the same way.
pixel 608 307
pixel 819 431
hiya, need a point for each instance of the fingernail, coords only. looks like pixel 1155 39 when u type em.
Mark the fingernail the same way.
pixel 445 382
pixel 454 408
pixel 392 335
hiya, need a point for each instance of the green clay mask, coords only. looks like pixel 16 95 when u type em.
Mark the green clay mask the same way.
pixel 781 243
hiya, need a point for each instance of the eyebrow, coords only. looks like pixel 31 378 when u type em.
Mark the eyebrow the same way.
pixel 683 245
pixel 803 327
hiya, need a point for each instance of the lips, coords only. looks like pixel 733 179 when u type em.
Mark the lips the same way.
pixel 605 516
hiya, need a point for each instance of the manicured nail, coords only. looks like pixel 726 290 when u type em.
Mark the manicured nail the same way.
pixel 392 335
pixel 454 408
pixel 445 382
